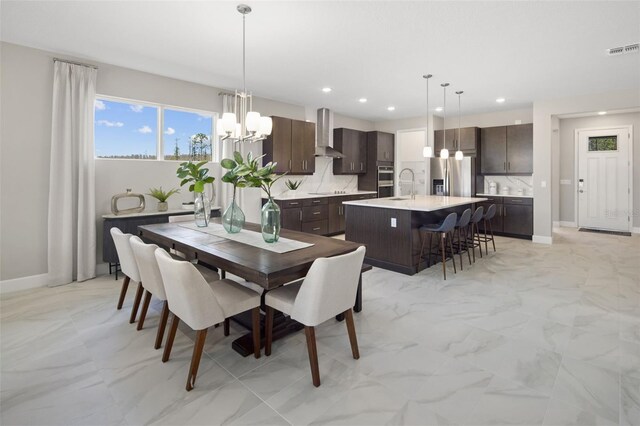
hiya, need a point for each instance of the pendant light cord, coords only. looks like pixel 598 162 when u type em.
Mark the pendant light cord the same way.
pixel 244 55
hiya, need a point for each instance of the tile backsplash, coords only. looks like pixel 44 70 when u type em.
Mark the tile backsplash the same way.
pixel 323 180
pixel 512 182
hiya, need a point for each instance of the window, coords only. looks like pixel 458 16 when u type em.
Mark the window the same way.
pixel 127 129
pixel 187 135
pixel 603 143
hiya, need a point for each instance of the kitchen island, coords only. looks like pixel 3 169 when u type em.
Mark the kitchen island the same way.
pixel 389 227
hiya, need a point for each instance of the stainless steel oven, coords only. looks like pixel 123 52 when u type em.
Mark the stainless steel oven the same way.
pixel 385 181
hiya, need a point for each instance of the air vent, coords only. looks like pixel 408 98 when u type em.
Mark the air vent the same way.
pixel 622 50
pixel 632 48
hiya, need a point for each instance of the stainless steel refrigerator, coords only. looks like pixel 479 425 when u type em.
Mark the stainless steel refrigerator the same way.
pixel 456 178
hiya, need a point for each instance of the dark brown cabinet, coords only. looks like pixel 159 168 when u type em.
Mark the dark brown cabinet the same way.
pixel 514 216
pixel 380 152
pixel 292 145
pixel 353 145
pixel 383 143
pixel 468 137
pixel 507 149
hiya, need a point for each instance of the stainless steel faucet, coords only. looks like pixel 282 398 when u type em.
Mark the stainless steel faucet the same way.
pixel 413 181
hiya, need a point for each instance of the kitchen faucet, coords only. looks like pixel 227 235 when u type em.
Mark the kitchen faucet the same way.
pixel 413 181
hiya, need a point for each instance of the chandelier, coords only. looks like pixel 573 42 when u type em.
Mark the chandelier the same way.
pixel 251 127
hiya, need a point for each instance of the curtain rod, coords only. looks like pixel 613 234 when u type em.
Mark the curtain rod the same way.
pixel 75 63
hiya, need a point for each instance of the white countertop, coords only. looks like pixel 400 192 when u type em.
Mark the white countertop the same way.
pixel 302 195
pixel 423 203
pixel 152 213
pixel 504 195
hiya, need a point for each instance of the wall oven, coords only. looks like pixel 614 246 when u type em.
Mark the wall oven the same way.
pixel 385 181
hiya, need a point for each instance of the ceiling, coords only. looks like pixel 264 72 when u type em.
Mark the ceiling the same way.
pixel 522 51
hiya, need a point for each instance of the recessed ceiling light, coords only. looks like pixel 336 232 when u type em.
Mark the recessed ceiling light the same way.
pixel 362 100
pixel 391 108
pixel 500 100
pixel 439 109
pixel 326 89
pixel 602 112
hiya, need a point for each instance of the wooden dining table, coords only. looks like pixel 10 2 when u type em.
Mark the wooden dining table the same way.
pixel 266 268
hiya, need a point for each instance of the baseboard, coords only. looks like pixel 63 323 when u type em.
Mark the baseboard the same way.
pixel 565 224
pixel 24 283
pixel 556 224
pixel 635 230
pixel 542 240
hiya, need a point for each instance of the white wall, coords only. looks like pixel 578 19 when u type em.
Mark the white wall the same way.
pixel 567 166
pixel 543 113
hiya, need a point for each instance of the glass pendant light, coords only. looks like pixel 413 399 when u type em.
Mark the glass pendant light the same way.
pixel 444 152
pixel 459 154
pixel 427 151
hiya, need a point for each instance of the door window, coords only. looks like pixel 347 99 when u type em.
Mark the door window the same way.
pixel 603 143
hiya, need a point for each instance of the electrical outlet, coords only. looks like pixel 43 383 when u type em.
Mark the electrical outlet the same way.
pixel 394 222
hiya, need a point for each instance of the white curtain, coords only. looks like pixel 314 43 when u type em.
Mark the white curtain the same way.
pixel 71 221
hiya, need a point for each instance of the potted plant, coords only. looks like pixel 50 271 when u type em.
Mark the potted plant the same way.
pixel 293 185
pixel 162 196
pixel 265 177
pixel 197 176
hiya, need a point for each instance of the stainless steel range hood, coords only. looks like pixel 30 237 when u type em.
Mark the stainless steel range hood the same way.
pixel 324 135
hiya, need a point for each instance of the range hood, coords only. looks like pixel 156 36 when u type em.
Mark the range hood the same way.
pixel 324 135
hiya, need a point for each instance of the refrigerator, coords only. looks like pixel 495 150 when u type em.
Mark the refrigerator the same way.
pixel 455 178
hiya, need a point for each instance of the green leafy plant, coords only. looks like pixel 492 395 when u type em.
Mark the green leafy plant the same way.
pixel 242 174
pixel 195 174
pixel 293 184
pixel 160 195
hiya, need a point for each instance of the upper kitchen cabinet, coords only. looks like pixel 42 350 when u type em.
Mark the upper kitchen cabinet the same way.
pixel 292 145
pixel 507 150
pixel 380 146
pixel 468 140
pixel 353 145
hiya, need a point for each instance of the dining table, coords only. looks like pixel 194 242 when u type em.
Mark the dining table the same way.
pixel 263 266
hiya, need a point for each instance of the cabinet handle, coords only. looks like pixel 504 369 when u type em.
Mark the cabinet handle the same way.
pixel 508 165
pixel 316 212
pixel 515 201
pixel 504 209
pixel 504 166
pixel 293 204
pixel 315 229
pixel 300 215
pixel 361 166
pixel 316 201
pixel 289 164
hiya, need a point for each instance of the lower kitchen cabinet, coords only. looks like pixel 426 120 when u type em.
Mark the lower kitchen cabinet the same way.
pixel 321 216
pixel 514 216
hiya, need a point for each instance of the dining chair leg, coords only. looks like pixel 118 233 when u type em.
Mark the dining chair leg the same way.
pixel 268 330
pixel 136 304
pixel 453 257
pixel 255 319
pixel 443 238
pixel 226 326
pixel 459 248
pixel 170 338
pixel 163 324
pixel 201 336
pixel 473 244
pixel 466 243
pixel 313 354
pixel 351 329
pixel 123 291
pixel 145 308
pixel 223 274
pixel 493 240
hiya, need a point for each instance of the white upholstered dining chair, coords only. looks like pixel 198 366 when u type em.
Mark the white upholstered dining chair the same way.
pixel 328 289
pixel 201 304
pixel 129 268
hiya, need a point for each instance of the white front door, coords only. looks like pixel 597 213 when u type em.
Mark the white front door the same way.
pixel 603 179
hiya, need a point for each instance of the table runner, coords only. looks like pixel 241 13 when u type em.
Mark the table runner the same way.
pixel 251 238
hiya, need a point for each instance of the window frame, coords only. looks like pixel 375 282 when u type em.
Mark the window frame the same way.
pixel 160 125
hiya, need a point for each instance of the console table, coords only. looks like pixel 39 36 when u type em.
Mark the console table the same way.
pixel 128 223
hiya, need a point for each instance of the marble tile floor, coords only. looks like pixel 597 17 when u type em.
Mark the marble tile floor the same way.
pixel 530 335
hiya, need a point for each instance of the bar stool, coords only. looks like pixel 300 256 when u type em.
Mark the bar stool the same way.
pixel 443 229
pixel 491 212
pixel 463 226
pixel 475 219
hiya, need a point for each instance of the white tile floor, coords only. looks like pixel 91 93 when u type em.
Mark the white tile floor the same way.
pixel 531 335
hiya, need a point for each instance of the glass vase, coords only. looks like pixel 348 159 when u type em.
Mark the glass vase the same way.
pixel 201 209
pixel 270 221
pixel 233 218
